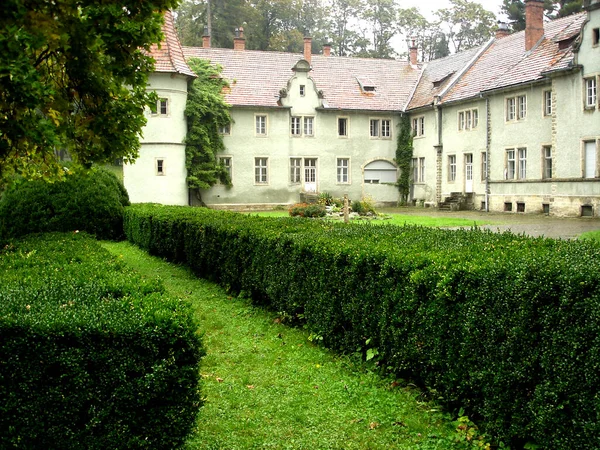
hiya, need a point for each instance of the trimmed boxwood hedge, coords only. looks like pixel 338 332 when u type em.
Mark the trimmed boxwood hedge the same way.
pixel 506 326
pixel 92 355
pixel 91 201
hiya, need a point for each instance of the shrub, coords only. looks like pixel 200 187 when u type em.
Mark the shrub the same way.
pixel 307 210
pixel 91 201
pixel 363 207
pixel 92 355
pixel 504 325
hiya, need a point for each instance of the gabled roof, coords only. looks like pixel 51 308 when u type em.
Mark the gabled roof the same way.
pixel 168 56
pixel 256 77
pixel 503 64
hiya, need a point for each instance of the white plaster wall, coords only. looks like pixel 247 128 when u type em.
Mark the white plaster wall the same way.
pixel 163 138
pixel 424 147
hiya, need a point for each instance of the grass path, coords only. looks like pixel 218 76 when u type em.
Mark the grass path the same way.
pixel 267 386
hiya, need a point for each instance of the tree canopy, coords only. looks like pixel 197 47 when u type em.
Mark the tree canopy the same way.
pixel 515 10
pixel 73 77
pixel 367 28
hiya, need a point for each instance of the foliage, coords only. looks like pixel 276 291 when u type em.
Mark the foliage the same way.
pixel 520 311
pixel 515 10
pixel 73 76
pixel 364 206
pixel 91 201
pixel 431 41
pixel 404 154
pixel 92 355
pixel 206 112
pixel 307 210
pixel 469 24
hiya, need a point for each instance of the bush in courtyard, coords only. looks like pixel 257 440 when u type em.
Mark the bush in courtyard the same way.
pixel 307 210
pixel 91 201
pixel 363 207
pixel 505 326
pixel 92 355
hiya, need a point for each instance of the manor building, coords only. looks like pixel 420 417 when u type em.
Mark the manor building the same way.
pixel 512 125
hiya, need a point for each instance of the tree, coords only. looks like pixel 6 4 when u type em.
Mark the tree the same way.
pixel 73 76
pixel 381 17
pixel 468 23
pixel 342 14
pixel 431 41
pixel 206 112
pixel 515 10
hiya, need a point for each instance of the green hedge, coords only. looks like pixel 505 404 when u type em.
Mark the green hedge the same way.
pixel 92 355
pixel 91 201
pixel 507 327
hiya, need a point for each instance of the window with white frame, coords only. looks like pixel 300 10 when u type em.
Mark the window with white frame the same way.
pixel 522 155
pixel 516 108
pixel 468 119
pixel 309 126
pixel 591 92
pixel 547 103
pixel 547 162
pixel 421 170
pixel 261 170
pixel 261 125
pixel 484 165
pixel 160 167
pixel 295 170
pixel 418 126
pixel 225 130
pixel 386 129
pixel 510 167
pixel 590 159
pixel 415 169
pixel 451 168
pixel 343 170
pixel 342 126
pixel 302 90
pixel 374 128
pixel 161 108
pixel 225 162
pixel 295 124
pixel 302 126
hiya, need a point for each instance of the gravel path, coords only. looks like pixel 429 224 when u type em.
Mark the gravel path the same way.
pixel 530 224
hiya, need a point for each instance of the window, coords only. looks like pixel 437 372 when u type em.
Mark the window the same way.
pixel 380 171
pixel 386 131
pixel 418 126
pixel 261 170
pixel 343 126
pixel 308 126
pixel 547 103
pixel 516 108
pixel 468 120
pixel 302 126
pixel 509 170
pixel 261 125
pixel 418 166
pixel 343 165
pixel 225 130
pixel 595 36
pixel 415 169
pixel 421 170
pixel 483 166
pixel 302 90
pixel 452 168
pixel 160 167
pixel 522 163
pixel 591 92
pixel 374 128
pixel 225 161
pixel 589 159
pixel 295 170
pixel 547 162
pixel 295 123
pixel 161 108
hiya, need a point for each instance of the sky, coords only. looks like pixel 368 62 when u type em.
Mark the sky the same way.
pixel 427 7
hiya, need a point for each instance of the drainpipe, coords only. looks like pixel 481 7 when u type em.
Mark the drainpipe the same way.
pixel 487 155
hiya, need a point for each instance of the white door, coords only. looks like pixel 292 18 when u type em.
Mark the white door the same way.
pixel 310 174
pixel 590 160
pixel 469 172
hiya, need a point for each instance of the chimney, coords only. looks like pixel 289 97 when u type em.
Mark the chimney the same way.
pixel 534 22
pixel 326 49
pixel 307 48
pixel 206 38
pixel 413 49
pixel 239 41
pixel 502 30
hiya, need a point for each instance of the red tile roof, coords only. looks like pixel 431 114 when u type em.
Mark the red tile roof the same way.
pixel 256 77
pixel 168 56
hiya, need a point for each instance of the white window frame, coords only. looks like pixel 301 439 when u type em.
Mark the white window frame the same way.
pixel 261 123
pixel 590 92
pixel 511 109
pixel 547 162
pixel 386 128
pixel 261 170
pixel 522 107
pixel 510 166
pixel 418 126
pixel 468 119
pixel 343 170
pixel 547 99
pixel 414 163
pixel 374 128
pixel 162 107
pixel 160 167
pixel 296 126
pixel 346 122
pixel 308 126
pixel 225 130
pixel 483 165
pixel 422 169
pixel 302 90
pixel 451 168
pixel 522 163
pixel 295 170
pixel 227 162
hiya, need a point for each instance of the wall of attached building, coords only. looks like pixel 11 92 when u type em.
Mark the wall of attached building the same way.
pixel 159 174
pixel 323 148
pixel 423 190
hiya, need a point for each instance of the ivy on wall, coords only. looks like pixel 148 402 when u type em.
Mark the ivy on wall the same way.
pixel 206 112
pixel 404 154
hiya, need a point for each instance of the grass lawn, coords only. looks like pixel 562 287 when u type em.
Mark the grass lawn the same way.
pixel 593 235
pixel 267 386
pixel 400 219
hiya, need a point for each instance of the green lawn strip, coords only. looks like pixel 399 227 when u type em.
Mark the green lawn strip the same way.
pixel 400 220
pixel 267 386
pixel 593 235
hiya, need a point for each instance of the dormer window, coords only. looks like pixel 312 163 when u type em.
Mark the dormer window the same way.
pixel 366 84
